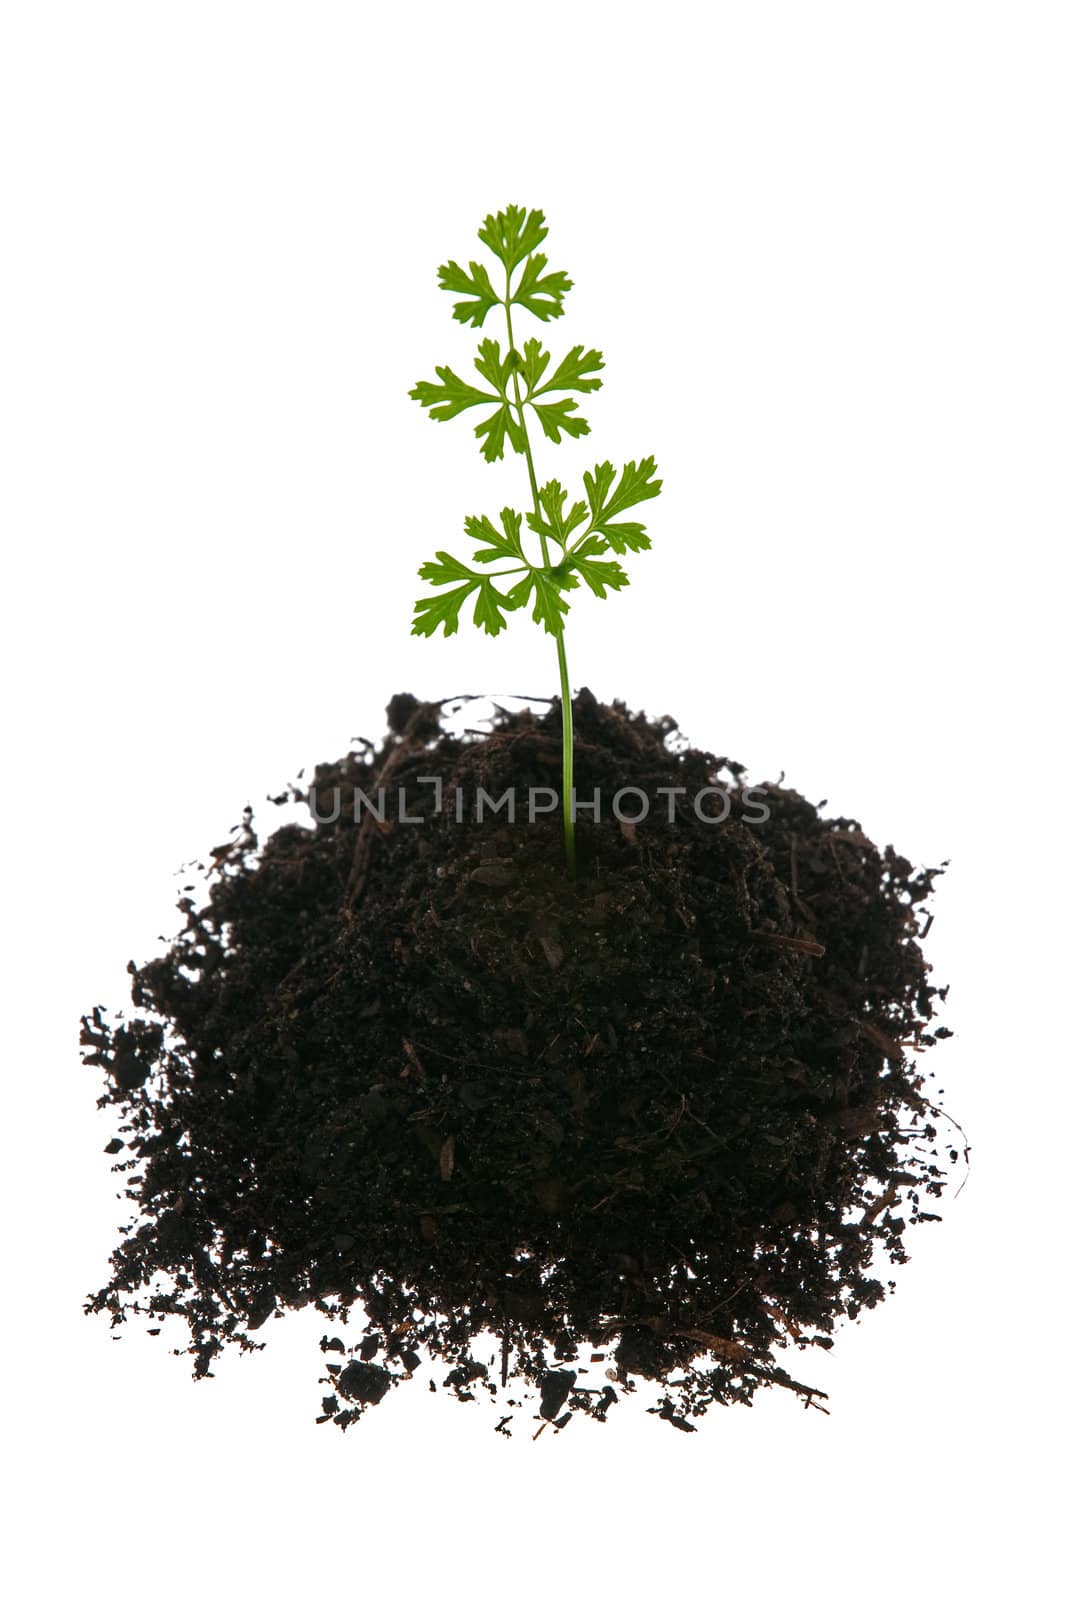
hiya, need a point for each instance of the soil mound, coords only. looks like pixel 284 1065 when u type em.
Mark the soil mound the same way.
pixel 399 1065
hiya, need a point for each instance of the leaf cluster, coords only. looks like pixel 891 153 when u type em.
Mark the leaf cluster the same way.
pixel 516 384
pixel 576 537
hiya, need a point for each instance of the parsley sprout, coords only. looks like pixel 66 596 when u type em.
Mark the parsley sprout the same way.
pixel 572 537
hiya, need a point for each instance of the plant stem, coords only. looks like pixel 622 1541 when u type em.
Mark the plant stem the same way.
pixel 567 758
pixel 563 665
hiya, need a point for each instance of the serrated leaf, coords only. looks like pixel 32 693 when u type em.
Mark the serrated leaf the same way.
pixel 450 396
pixel 549 608
pixel 637 483
pixel 573 371
pixel 555 522
pixel 488 610
pixel 444 610
pixel 512 234
pixel 597 484
pixel 490 365
pixel 440 609
pixel 541 292
pixel 496 429
pixel 600 576
pixel 501 544
pixel 446 569
pixel 622 536
pixel 535 363
pixel 557 418
pixel 476 283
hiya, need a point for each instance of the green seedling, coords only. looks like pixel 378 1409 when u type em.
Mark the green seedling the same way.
pixel 572 539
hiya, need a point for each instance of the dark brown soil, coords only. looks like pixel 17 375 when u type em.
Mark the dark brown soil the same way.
pixel 414 1074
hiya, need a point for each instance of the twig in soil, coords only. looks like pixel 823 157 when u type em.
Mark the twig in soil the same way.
pixel 728 1298
pixel 836 859
pixel 784 941
pixel 628 1188
pixel 941 1112
pixel 890 1047
pixel 731 1353
pixel 369 828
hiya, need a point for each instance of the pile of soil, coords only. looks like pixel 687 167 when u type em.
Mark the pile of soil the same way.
pixel 670 1112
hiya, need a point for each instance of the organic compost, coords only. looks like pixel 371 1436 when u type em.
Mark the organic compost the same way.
pixel 661 1121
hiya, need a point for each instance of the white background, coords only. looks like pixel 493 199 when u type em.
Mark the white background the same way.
pixel 824 249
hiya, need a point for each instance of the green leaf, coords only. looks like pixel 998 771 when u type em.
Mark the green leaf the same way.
pixel 488 610
pixel 490 365
pixel 597 485
pixel 446 568
pixel 497 428
pixel 600 576
pixel 637 483
pixel 549 608
pixel 622 536
pixel 476 283
pixel 502 424
pixel 436 609
pixel 445 609
pixel 557 419
pixel 573 371
pixel 512 234
pixel 535 363
pixel 500 545
pixel 555 523
pixel 450 396
pixel 541 293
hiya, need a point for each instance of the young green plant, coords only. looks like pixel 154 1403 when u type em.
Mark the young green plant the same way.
pixel 572 538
